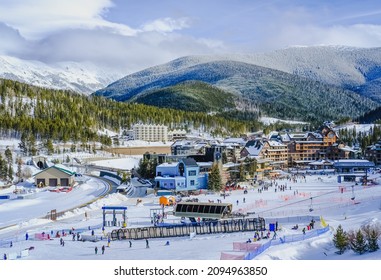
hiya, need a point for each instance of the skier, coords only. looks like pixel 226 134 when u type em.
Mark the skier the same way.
pixel 103 249
pixel 96 250
pixel 147 244
pixel 130 243
pixel 26 236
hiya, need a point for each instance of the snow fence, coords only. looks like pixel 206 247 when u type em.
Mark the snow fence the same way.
pixel 256 248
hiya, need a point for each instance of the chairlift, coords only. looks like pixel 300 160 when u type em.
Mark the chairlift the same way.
pixel 311 209
pixel 353 193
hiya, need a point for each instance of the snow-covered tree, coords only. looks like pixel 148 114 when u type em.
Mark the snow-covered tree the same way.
pixel 215 181
pixel 358 244
pixel 340 240
pixel 372 234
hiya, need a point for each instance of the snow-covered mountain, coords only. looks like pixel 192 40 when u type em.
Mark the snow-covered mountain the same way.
pixel 80 77
pixel 358 69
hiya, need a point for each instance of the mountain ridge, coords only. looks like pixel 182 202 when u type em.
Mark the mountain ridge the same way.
pixel 84 77
pixel 347 67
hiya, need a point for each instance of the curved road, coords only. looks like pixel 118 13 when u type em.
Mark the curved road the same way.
pixel 16 211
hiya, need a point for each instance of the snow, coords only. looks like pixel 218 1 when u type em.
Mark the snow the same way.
pixel 269 120
pixel 335 207
pixel 83 77
pixel 127 163
pixel 21 216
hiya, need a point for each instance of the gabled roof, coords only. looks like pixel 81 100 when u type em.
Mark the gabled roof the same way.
pixel 254 147
pixel 59 167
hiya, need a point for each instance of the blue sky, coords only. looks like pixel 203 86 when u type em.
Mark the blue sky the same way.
pixel 132 34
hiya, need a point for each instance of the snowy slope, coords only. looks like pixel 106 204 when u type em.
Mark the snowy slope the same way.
pixel 80 77
pixel 346 67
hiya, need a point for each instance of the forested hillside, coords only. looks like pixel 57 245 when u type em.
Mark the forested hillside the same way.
pixel 190 96
pixel 273 93
pixel 67 116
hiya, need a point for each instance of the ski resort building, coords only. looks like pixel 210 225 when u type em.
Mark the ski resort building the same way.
pixel 56 175
pixel 149 132
pixel 180 176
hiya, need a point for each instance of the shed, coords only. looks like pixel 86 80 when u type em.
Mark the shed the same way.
pixel 56 175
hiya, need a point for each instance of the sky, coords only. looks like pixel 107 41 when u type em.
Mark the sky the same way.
pixel 132 35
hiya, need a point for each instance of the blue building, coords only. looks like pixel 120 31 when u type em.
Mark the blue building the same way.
pixel 350 169
pixel 180 176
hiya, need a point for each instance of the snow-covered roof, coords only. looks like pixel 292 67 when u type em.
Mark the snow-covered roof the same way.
pixel 276 144
pixel 239 141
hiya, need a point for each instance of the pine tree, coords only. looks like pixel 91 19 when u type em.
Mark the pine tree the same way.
pixel 358 244
pixel 373 241
pixel 215 181
pixel 19 171
pixel 10 173
pixel 372 233
pixel 8 155
pixel 22 144
pixel 49 146
pixel 340 240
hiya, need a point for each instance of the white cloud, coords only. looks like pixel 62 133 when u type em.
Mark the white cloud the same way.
pixel 34 19
pixel 166 25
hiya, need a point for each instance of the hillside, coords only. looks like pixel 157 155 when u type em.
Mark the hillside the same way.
pixel 40 114
pixel 275 93
pixel 371 117
pixel 189 96
pixel 346 67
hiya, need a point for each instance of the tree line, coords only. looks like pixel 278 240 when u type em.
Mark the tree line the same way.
pixel 68 116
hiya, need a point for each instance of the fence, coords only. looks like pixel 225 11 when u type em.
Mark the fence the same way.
pixel 222 226
pixel 263 247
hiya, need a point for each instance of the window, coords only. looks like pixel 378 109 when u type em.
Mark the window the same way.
pixel 192 173
pixel 192 182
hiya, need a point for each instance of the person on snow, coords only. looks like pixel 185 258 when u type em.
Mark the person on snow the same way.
pixel 147 244
pixel 96 250
pixel 103 249
pixel 130 243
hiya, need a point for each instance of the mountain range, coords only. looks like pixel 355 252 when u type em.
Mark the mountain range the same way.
pixel 305 83
pixel 297 83
pixel 81 77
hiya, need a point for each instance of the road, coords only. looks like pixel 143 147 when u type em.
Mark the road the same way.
pixel 16 211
